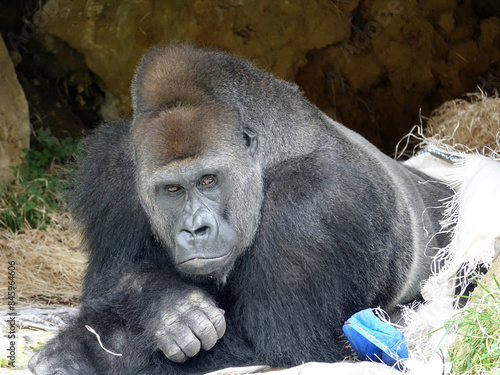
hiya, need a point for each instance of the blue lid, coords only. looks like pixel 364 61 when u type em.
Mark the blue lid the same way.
pixel 375 340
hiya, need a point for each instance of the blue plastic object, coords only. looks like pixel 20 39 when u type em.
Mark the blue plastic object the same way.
pixel 372 339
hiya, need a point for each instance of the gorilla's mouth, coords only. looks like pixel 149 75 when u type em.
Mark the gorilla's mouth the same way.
pixel 203 265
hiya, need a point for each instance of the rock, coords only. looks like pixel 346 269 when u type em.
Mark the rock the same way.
pixel 14 117
pixel 403 59
pixel 113 38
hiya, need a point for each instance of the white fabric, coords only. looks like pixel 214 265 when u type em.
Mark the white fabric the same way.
pixel 472 216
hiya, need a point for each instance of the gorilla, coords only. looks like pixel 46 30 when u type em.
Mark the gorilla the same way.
pixel 230 222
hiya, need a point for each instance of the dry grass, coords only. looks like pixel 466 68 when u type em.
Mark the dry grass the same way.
pixel 467 124
pixel 49 263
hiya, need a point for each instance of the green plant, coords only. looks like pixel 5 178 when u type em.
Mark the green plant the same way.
pixel 476 349
pixel 36 191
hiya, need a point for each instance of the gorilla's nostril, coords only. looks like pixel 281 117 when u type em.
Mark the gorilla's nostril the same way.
pixel 195 237
pixel 187 236
pixel 201 231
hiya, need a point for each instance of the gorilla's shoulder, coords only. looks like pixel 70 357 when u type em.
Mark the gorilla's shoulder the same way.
pixel 103 200
pixel 107 138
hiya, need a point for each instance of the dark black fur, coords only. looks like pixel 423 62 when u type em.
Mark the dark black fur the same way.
pixel 340 225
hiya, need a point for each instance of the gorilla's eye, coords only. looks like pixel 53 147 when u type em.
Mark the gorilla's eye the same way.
pixel 174 188
pixel 207 180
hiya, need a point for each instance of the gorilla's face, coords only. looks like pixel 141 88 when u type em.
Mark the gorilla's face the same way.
pixel 201 190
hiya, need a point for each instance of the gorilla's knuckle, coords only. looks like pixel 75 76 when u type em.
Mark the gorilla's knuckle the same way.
pixel 209 340
pixel 218 318
pixel 175 353
pixel 205 327
pixel 170 319
pixel 207 336
pixel 191 347
pixel 220 327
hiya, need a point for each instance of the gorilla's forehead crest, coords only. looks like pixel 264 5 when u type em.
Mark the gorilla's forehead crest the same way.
pixel 177 115
pixel 166 76
pixel 181 132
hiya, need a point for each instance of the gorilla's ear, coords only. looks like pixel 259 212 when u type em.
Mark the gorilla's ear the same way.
pixel 251 141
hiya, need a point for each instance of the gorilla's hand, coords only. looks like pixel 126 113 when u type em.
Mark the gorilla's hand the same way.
pixel 64 356
pixel 49 364
pixel 194 322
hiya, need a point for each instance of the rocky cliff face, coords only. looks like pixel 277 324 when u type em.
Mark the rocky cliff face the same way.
pixel 403 58
pixel 14 117
pixel 372 64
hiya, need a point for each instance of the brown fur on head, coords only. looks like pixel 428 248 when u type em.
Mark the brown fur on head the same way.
pixel 182 132
pixel 167 76
pixel 175 115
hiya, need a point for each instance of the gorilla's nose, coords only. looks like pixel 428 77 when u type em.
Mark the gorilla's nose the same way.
pixel 198 230
pixel 192 237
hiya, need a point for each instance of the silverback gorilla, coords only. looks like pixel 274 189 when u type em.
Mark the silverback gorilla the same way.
pixel 231 222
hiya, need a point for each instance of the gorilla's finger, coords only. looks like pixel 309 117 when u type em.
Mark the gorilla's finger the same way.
pixel 216 316
pixel 219 321
pixel 172 351
pixel 204 329
pixel 187 341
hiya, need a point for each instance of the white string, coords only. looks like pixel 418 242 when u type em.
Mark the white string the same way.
pixel 90 329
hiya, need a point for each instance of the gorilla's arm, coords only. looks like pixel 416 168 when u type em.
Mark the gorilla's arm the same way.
pixel 151 300
pixel 145 311
pixel 105 205
pixel 164 312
